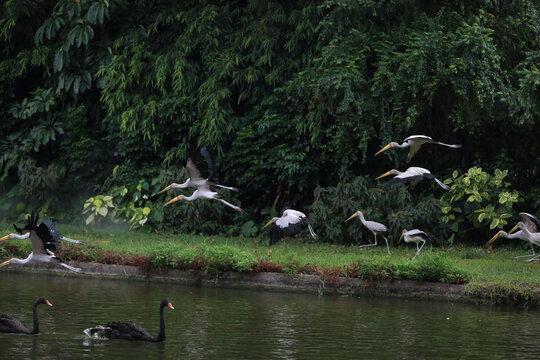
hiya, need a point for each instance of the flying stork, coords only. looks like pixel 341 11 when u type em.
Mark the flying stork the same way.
pixel 375 227
pixel 45 241
pixel 203 192
pixel 289 224
pixel 415 236
pixel 530 231
pixel 201 169
pixel 412 174
pixel 415 142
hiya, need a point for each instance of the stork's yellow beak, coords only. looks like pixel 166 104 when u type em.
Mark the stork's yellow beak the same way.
pixel 167 188
pixel 401 237
pixel 268 223
pixel 352 216
pixel 173 200
pixel 384 149
pixel 5 237
pixel 385 174
pixel 493 239
pixel 514 228
pixel 6 263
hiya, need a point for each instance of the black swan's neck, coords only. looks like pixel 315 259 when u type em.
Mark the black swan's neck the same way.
pixel 161 334
pixel 36 320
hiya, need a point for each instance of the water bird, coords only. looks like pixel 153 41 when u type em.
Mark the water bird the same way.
pixel 45 241
pixel 202 171
pixel 130 331
pixel 203 192
pixel 414 142
pixel 375 227
pixel 415 236
pixel 8 324
pixel 532 224
pixel 290 223
pixel 532 237
pixel 413 175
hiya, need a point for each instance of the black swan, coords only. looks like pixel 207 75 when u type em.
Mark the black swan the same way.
pixel 8 324
pixel 130 331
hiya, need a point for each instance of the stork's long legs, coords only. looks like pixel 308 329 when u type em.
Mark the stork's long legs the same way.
pixel 536 258
pixel 418 250
pixel 387 248
pixel 229 204
pixel 522 256
pixel 374 244
pixel 71 240
pixel 70 267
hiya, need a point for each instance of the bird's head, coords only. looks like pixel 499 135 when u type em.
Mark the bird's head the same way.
pixel 402 235
pixel 493 238
pixel 353 216
pixel 519 225
pixel 175 199
pixel 272 220
pixel 392 144
pixel 162 191
pixel 42 300
pixel 391 172
pixel 167 303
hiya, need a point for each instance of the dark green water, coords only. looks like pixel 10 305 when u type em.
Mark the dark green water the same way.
pixel 238 324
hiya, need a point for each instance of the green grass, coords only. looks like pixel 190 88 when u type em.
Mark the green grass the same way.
pixel 488 272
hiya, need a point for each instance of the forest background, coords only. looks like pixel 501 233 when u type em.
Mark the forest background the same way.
pixel 103 100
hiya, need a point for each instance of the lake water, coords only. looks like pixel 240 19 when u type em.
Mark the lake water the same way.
pixel 246 324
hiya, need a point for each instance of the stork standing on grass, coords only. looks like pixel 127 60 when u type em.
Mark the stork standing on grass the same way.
pixel 289 224
pixel 412 175
pixel 414 142
pixel 532 224
pixel 201 171
pixel 415 236
pixel 375 227
pixel 45 241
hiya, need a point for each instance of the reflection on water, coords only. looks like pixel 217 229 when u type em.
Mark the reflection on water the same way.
pixel 238 324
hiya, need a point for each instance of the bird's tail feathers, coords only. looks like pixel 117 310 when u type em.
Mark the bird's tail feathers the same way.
pixel 444 186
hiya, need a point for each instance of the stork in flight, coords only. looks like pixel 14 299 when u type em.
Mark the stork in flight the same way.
pixel 45 240
pixel 375 227
pixel 201 169
pixel 289 224
pixel 415 142
pixel 413 175
pixel 415 236
pixel 529 232
pixel 203 192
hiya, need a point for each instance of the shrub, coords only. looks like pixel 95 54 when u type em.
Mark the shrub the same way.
pixel 391 206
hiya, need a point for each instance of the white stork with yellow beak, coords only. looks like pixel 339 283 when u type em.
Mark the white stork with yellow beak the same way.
pixel 415 142
pixel 203 192
pixel 529 231
pixel 289 224
pixel 413 174
pixel 415 236
pixel 375 227
pixel 45 240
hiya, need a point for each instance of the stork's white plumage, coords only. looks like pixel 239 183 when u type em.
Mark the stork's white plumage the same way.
pixel 414 142
pixel 201 169
pixel 375 227
pixel 531 224
pixel 289 224
pixel 203 192
pixel 415 236
pixel 45 240
pixel 412 174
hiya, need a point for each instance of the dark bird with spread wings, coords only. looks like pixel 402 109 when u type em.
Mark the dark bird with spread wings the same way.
pixel 45 241
pixel 201 171
pixel 413 175
pixel 130 331
pixel 290 223
pixel 415 142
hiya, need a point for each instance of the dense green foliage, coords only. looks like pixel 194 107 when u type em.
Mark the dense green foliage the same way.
pixel 108 97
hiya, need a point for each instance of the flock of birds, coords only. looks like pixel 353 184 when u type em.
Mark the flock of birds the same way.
pixel 46 239
pixel 113 330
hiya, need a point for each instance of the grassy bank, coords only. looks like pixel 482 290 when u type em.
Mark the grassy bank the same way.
pixel 488 273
